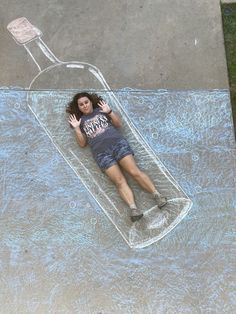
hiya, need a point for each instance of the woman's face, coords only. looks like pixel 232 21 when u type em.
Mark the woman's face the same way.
pixel 85 105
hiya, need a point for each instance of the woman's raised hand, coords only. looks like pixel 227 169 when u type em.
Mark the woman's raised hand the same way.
pixel 73 121
pixel 104 106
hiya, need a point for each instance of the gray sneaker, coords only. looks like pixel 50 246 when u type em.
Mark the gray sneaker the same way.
pixel 161 200
pixel 136 214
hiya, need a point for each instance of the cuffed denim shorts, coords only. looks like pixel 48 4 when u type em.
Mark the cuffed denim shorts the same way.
pixel 113 154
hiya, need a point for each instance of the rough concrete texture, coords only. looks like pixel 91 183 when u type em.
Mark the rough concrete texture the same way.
pixel 58 251
pixel 140 44
pixel 228 1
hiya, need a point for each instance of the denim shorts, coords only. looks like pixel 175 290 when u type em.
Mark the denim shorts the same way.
pixel 113 154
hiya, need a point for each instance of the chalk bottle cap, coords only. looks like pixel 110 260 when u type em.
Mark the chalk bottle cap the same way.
pixel 23 31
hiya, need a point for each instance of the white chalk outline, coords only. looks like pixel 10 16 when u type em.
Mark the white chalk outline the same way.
pixel 97 73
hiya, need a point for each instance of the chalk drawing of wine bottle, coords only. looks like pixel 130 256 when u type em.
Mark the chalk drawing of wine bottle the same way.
pixel 48 94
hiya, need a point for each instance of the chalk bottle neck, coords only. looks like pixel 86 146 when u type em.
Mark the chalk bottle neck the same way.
pixel 42 56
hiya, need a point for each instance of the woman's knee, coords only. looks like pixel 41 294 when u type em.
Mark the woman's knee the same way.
pixel 116 177
pixel 135 172
pixel 119 181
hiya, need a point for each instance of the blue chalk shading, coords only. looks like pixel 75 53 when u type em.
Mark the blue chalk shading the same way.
pixel 59 252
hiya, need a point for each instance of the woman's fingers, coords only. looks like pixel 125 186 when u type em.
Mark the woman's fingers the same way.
pixel 73 120
pixel 104 106
pixel 102 103
pixel 72 117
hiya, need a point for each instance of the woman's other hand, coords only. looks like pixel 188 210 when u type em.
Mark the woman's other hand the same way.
pixel 115 119
pixel 73 121
pixel 104 106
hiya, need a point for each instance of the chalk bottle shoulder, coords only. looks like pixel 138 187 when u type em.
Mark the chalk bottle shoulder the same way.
pixel 53 72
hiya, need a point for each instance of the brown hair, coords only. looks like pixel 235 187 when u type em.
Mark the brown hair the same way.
pixel 73 107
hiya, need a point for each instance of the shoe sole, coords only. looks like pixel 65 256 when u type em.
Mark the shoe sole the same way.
pixel 135 218
pixel 162 205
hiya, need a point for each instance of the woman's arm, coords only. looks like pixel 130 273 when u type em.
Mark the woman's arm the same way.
pixel 115 118
pixel 81 138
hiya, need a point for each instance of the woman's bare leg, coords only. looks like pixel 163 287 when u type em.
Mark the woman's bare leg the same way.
pixel 115 174
pixel 117 177
pixel 129 165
